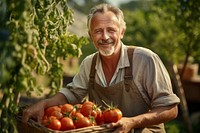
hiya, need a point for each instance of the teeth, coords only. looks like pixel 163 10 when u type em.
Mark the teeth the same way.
pixel 108 41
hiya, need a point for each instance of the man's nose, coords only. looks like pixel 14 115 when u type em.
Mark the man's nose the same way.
pixel 105 35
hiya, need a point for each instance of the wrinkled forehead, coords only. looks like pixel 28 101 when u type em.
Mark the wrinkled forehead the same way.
pixel 104 17
pixel 104 20
pixel 104 8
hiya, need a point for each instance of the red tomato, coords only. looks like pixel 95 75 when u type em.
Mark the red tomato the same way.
pixel 57 114
pixel 83 122
pixel 66 124
pixel 45 120
pixel 88 102
pixel 53 123
pixel 49 110
pixel 78 107
pixel 68 109
pixel 77 115
pixel 99 119
pixel 112 115
pixel 99 113
pixel 89 110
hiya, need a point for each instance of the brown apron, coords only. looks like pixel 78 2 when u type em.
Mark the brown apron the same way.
pixel 124 94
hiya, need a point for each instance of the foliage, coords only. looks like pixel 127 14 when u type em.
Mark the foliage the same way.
pixel 87 50
pixel 170 28
pixel 38 39
pixel 175 127
pixel 137 4
pixel 85 5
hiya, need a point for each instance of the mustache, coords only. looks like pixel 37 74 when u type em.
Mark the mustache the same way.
pixel 107 41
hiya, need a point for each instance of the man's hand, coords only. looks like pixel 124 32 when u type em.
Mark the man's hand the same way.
pixel 122 126
pixel 36 111
pixel 153 117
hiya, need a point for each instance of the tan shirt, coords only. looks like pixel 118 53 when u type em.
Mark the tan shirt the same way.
pixel 149 75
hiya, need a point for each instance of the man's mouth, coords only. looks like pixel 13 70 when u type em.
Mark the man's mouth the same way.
pixel 105 42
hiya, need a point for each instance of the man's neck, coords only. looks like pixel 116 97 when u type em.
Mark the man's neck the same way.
pixel 109 65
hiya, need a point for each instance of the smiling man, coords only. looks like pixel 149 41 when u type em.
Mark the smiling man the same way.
pixel 133 78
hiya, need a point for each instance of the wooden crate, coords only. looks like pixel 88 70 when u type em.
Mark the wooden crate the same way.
pixel 34 127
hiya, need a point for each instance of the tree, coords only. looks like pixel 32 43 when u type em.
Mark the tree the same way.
pixel 84 6
pixel 170 28
pixel 38 38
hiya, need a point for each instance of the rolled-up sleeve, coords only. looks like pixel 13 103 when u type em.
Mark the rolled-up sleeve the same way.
pixel 69 95
pixel 165 100
pixel 160 87
pixel 158 83
pixel 154 82
pixel 77 89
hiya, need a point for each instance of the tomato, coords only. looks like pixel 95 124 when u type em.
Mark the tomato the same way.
pixel 45 120
pixel 77 115
pixel 83 122
pixel 57 114
pixel 99 119
pixel 78 107
pixel 54 123
pixel 88 110
pixel 99 113
pixel 68 109
pixel 88 103
pixel 112 115
pixel 49 110
pixel 66 124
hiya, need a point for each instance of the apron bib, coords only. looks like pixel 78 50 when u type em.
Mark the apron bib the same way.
pixel 125 95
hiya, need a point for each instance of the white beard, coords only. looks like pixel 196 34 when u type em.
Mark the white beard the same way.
pixel 107 52
pixel 110 47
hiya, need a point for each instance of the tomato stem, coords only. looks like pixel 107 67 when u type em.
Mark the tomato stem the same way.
pixel 110 107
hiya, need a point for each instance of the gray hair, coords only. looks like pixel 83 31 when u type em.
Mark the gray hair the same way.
pixel 102 8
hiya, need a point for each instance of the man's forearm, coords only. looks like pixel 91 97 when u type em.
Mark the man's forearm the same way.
pixel 155 116
pixel 57 99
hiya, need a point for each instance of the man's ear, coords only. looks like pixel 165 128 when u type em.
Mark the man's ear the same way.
pixel 89 35
pixel 122 33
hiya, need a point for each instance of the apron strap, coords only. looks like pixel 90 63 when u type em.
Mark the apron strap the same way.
pixel 128 70
pixel 92 72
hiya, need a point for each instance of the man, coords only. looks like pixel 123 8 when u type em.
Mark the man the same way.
pixel 133 78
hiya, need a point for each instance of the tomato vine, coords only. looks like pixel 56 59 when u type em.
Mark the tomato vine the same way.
pixel 38 39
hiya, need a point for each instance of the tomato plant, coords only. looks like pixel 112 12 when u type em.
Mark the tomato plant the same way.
pixel 38 39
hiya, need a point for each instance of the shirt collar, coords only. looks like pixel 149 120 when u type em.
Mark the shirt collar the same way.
pixel 123 61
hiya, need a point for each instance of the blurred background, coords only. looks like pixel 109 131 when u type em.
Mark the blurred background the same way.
pixel 48 40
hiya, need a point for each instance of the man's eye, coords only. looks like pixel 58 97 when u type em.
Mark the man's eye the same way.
pixel 97 31
pixel 111 30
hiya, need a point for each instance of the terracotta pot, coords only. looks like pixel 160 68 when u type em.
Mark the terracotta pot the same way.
pixel 191 71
